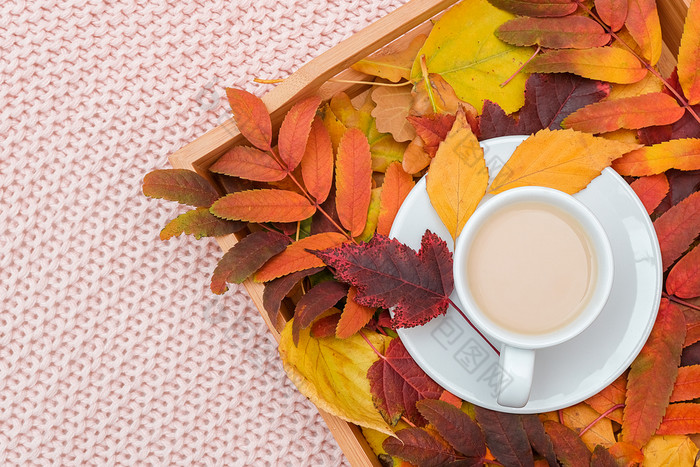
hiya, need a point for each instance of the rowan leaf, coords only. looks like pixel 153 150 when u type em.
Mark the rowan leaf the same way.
pixel 684 279
pixel 393 106
pixel 200 223
pixel 626 454
pixel 433 129
pixel 332 374
pixel 602 458
pixel 566 160
pixel 687 385
pixel 458 177
pixel 388 274
pixel 645 28
pixel 463 49
pixel 419 447
pixel 393 66
pixel 629 112
pixel 663 451
pixel 677 228
pixel 297 258
pixel 614 394
pixel 353 175
pixel 397 184
pixel 651 190
pixel 181 185
pixel 505 437
pixel 456 427
pixel 681 185
pixel 692 328
pixel 580 416
pixel 571 32
pixel 294 131
pixel 313 303
pixel 680 419
pixel 603 63
pixel 246 257
pixel 683 154
pixel 571 450
pixel 325 325
pixel 372 215
pixel 651 376
pixel 252 117
pixel 612 12
pixel 277 289
pixel 317 162
pixel 539 439
pixel 249 163
pixel 650 83
pixel 354 316
pixel 265 205
pixel 537 8
pixel 689 54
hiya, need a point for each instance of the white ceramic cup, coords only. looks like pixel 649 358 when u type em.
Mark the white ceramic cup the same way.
pixel 518 351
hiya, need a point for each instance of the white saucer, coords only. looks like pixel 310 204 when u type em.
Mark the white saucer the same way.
pixel 454 355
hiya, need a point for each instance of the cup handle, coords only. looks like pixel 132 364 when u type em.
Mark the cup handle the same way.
pixel 517 367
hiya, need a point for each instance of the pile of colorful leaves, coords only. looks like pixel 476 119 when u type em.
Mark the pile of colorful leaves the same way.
pixel 318 199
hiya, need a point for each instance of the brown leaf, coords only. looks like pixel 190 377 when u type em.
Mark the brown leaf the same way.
pixel 393 106
pixel 626 454
pixel 317 163
pixel 537 8
pixel 266 205
pixel 294 131
pixel 571 32
pixel 539 439
pixel 353 179
pixel 200 223
pixel 418 447
pixel 318 299
pixel 397 184
pixel 456 427
pixel 505 436
pixel 415 158
pixel 602 458
pixel 277 289
pixel 249 163
pixel 571 451
pixel 252 117
pixel 181 185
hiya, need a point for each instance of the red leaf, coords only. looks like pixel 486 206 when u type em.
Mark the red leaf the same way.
pixel 325 327
pixel 200 223
pixel 456 427
pixel 505 436
pixel 252 118
pixel 397 184
pixel 354 316
pixel 602 458
pixel 353 179
pixel 432 129
pixel 612 395
pixel 571 451
pixel 181 185
pixel 246 257
pixel 387 273
pixel 277 289
pixel 651 190
pixel 317 163
pixel 677 228
pixel 397 383
pixel 541 8
pixel 680 419
pixel 571 32
pixel 318 299
pixel 418 447
pixel 652 374
pixel 687 385
pixel 234 184
pixel 684 279
pixel 267 205
pixel 681 185
pixel 539 439
pixel 294 131
pixel 249 163
pixel 612 12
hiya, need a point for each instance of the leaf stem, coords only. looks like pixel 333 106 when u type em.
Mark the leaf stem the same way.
pixel 673 298
pixel 426 82
pixel 408 422
pixel 268 81
pixel 473 327
pixel 521 67
pixel 602 416
pixel 370 344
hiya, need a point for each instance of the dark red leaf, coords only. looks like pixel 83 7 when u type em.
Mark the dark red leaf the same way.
pixel 397 383
pixel 246 257
pixel 387 273
pixel 325 327
pixel 505 436
pixel 571 450
pixel 602 458
pixel 681 185
pixel 181 185
pixel 456 427
pixel 318 299
pixel 277 289
pixel 539 439
pixel 319 222
pixel 233 184
pixel 677 228
pixel 418 447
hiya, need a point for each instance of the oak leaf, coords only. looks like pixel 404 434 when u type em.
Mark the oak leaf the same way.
pixel 571 450
pixel 249 163
pixel 294 131
pixel 684 279
pixel 689 54
pixel 683 154
pixel 505 437
pixel 181 185
pixel 612 395
pixel 354 316
pixel 200 223
pixel 277 289
pixel 264 205
pixel 612 12
pixel 571 32
pixel 663 451
pixel 419 447
pixel 677 228
pixel 537 8
pixel 317 162
pixel 313 303
pixel 397 184
pixel 393 106
pixel 651 190
pixel 687 385
pixel 252 117
pixel 353 180
pixel 456 427
pixel 581 415
pixel 393 66
pixel 645 28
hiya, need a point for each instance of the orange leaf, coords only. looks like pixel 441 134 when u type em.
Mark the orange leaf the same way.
pixel 252 118
pixel 458 177
pixel 566 160
pixel 397 185
pixel 451 399
pixel 392 66
pixel 580 416
pixel 626 454
pixel 181 185
pixel 651 190
pixel 575 32
pixel 200 223
pixel 415 158
pixel 682 154
pixel 354 316
pixel 294 131
pixel 296 258
pixel 249 163
pixel 266 205
pixel 687 386
pixel 684 279
pixel 630 112
pixel 609 397
pixel 681 419
pixel 652 374
pixel 689 55
pixel 677 228
pixel 612 12
pixel 603 63
pixel 644 27
pixel 317 163
pixel 353 179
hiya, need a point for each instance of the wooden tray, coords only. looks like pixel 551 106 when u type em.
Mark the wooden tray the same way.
pixel 392 32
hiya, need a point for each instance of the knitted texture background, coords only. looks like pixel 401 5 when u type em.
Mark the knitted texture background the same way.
pixel 112 348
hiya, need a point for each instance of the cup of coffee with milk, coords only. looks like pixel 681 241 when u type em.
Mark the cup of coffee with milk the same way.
pixel 533 268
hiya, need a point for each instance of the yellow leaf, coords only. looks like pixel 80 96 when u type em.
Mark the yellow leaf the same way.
pixel 566 160
pixel 392 66
pixel 458 177
pixel 372 216
pixel 647 85
pixel 580 416
pixel 669 450
pixel 376 438
pixel 332 373
pixel 393 105
pixel 463 49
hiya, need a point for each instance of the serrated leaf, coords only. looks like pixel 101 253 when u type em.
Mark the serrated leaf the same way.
pixel 393 106
pixel 680 419
pixel 689 54
pixel 458 177
pixel 539 439
pixel 181 185
pixel 200 223
pixel 626 454
pixel 670 450
pixel 249 163
pixel 505 437
pixel 418 447
pixel 580 416
pixel 684 279
pixel 650 83
pixel 612 12
pixel 602 458
pixel 317 366
pixel 537 8
pixel 433 129
pixel 325 325
pixel 677 228
pixel 397 184
pixel 614 394
pixel 354 316
pixel 246 257
pixel 629 112
pixel 252 117
pixel 687 385
pixel 651 190
pixel 372 216
pixel 566 160
pixel 571 451
pixel 571 32
pixel 603 63
pixel 313 303
pixel 294 131
pixel 296 257
pixel 265 205
pixel 651 376
pixel 277 289
pixel 353 180
pixel 645 28
pixel 387 273
pixel 456 427
pixel 683 154
pixel 317 163
pixel 393 66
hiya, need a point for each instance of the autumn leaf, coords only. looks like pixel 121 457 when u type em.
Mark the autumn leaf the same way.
pixel 354 316
pixel 612 12
pixel 393 106
pixel 687 385
pixel 420 448
pixel 200 223
pixel 677 228
pixel 393 66
pixel 692 328
pixel 252 117
pixel 458 177
pixel 181 185
pixel 397 184
pixel 297 258
pixel 602 458
pixel 681 185
pixel 651 376
pixel 575 32
pixel 566 160
pixel 689 54
pixel 603 63
pixel 651 190
pixel 246 257
pixel 683 154
pixel 630 112
pixel 277 289
pixel 387 273
pixel 249 163
pixel 325 325
pixel 580 416
pixel 317 162
pixel 684 279
pixel 612 395
pixel 649 84
pixel 294 131
pixel 265 205
pixel 434 95
pixel 463 49
pixel 539 439
pixel 353 175
pixel 433 129
pixel 316 366
pixel 643 25
pixel 662 451
pixel 626 454
pixel 415 158
pixel 375 439
pixel 372 215
pixel 680 419
pixel 537 8
pixel 571 451
pixel 318 299
pixel 505 436
pixel 456 427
